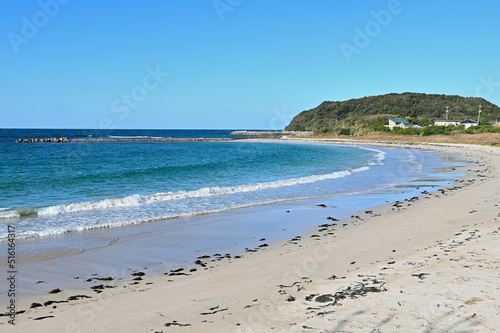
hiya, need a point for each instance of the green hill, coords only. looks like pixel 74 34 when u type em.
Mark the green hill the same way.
pixel 422 108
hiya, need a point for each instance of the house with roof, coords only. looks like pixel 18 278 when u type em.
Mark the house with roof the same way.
pixel 398 122
pixel 493 122
pixel 468 123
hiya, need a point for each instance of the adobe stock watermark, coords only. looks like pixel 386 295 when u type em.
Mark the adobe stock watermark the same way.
pixel 11 273
pixel 130 101
pixel 280 119
pixel 223 6
pixel 372 29
pixel 486 86
pixel 31 26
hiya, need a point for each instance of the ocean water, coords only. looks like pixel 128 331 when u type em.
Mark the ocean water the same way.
pixel 49 188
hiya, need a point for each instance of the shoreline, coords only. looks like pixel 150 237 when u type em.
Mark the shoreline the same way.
pixel 37 249
pixel 305 247
pixel 76 205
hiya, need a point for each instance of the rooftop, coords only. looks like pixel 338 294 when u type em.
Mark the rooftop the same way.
pixel 399 120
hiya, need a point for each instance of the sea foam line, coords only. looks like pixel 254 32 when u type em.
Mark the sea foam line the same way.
pixel 139 200
pixel 128 136
pixel 380 155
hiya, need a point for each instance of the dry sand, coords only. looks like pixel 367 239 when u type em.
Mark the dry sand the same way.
pixel 478 139
pixel 424 265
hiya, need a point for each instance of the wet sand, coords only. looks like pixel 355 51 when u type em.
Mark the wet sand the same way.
pixel 427 263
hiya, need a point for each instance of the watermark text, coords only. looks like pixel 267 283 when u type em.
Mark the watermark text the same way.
pixel 12 273
pixel 372 29
pixel 223 6
pixel 31 26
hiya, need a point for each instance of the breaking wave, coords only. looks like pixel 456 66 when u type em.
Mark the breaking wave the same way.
pixel 140 200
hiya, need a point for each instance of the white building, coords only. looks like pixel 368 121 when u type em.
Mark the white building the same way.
pixel 468 123
pixel 446 123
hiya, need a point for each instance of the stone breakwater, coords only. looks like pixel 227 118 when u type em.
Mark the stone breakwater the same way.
pixel 66 140
pixel 246 134
pixel 152 140
pixel 52 140
pixel 271 134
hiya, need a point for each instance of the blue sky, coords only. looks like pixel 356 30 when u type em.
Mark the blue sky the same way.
pixel 233 64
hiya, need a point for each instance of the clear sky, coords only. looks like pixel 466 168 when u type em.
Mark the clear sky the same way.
pixel 234 64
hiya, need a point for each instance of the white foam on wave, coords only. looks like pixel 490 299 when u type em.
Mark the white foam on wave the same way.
pixel 379 157
pixel 32 231
pixel 139 200
pixel 9 214
pixel 128 137
pixel 37 230
pixel 412 159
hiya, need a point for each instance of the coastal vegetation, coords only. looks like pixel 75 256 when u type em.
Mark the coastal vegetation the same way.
pixel 369 115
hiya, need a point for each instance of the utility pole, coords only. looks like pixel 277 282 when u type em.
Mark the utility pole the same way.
pixel 447 110
pixel 479 114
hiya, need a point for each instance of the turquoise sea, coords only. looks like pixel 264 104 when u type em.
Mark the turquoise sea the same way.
pixel 55 188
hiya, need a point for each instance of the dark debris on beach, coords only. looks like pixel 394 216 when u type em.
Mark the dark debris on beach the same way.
pixel 360 289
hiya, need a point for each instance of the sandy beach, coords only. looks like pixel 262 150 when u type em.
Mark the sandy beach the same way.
pixel 426 264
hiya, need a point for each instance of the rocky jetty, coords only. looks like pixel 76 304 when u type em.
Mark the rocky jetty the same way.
pixel 271 134
pixel 240 135
pixel 152 140
pixel 51 140
pixel 66 140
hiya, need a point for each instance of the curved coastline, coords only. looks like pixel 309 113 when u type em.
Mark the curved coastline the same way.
pixel 87 239
pixel 37 256
pixel 111 212
pixel 359 225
